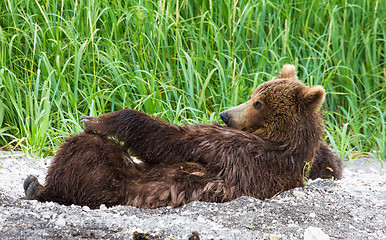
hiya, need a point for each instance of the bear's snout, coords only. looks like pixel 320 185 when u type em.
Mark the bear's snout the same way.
pixel 225 117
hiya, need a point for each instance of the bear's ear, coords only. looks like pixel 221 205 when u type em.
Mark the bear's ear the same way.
pixel 314 97
pixel 288 71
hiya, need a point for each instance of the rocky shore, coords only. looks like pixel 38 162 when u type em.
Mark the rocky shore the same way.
pixel 351 208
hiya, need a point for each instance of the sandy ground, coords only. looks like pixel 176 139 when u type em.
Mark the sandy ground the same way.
pixel 351 208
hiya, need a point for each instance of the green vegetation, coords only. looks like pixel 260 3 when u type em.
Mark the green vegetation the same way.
pixel 186 61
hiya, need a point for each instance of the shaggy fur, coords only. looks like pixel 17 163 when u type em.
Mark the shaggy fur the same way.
pixel 266 156
pixel 326 164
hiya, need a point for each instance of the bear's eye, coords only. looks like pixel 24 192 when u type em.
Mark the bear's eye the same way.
pixel 257 105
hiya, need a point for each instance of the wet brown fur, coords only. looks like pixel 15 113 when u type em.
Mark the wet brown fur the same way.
pixel 284 124
pixel 187 163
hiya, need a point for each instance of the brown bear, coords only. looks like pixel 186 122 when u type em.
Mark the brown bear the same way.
pixel 270 141
pixel 326 165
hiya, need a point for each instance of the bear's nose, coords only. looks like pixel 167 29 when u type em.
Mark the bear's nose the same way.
pixel 225 117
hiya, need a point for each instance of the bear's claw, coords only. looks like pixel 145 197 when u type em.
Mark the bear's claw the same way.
pixel 89 123
pixel 86 118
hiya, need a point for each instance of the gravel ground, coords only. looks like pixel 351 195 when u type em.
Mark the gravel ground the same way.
pixel 352 208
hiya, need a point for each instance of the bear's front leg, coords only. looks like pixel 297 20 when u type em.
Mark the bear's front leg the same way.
pixel 111 124
pixel 150 139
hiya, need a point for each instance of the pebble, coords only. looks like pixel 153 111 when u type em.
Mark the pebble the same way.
pixel 298 193
pixel 85 208
pixel 330 206
pixel 314 233
pixel 272 236
pixel 60 222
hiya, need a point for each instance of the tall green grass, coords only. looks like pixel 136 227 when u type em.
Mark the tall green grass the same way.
pixel 185 61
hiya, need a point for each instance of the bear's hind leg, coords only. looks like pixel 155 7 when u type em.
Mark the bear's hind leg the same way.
pixel 31 186
pixel 88 170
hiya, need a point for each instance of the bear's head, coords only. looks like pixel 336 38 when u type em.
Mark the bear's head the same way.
pixel 279 109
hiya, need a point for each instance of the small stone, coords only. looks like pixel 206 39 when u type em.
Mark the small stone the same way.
pixel 271 236
pixel 194 236
pixel 312 215
pixel 292 225
pixel 60 222
pixel 86 208
pixel 314 233
pixel 102 207
pixel 297 193
pixel 34 214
